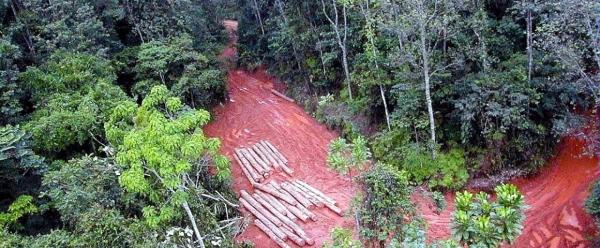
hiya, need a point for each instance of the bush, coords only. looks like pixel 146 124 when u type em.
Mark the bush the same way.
pixel 592 204
pixel 386 207
pixel 342 238
pixel 447 171
pixel 342 156
pixel 480 223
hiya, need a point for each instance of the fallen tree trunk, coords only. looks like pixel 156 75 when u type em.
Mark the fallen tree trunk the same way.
pixel 297 212
pixel 244 153
pixel 292 236
pixel 275 193
pixel 295 203
pixel 309 195
pixel 297 195
pixel 271 157
pixel 316 191
pixel 245 170
pixel 258 159
pixel 276 204
pixel 263 156
pixel 264 212
pixel 264 219
pixel 257 176
pixel 261 225
pixel 275 151
pixel 279 94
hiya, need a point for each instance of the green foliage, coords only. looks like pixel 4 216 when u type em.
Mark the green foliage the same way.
pixel 385 208
pixel 16 156
pixel 10 106
pixel 342 157
pixel 439 200
pixel 342 238
pixel 189 74
pixel 446 171
pixel 83 184
pixel 75 94
pixel 481 223
pixel 21 206
pixel 592 203
pixel 157 151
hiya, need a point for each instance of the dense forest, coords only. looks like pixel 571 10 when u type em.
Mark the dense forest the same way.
pixel 103 104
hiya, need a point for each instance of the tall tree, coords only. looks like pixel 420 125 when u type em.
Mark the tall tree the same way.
pixel 157 144
pixel 341 34
pixel 420 25
pixel 373 53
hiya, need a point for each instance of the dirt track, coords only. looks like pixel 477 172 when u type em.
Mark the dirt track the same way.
pixel 253 113
pixel 555 217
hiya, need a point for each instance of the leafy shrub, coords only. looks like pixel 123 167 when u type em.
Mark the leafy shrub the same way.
pixel 386 207
pixel 447 171
pixel 481 223
pixel 337 115
pixel 342 238
pixel 388 146
pixel 439 200
pixel 21 206
pixel 592 203
pixel 342 156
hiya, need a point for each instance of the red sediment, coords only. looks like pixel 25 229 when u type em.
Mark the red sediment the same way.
pixel 555 217
pixel 253 114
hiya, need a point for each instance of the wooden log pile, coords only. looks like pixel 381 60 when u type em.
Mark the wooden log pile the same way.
pixel 260 160
pixel 277 207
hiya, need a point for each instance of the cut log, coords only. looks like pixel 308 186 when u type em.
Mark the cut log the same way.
pixel 287 207
pixel 270 152
pixel 257 176
pixel 295 203
pixel 261 225
pixel 292 236
pixel 316 191
pixel 244 153
pixel 248 165
pixel 326 202
pixel 267 143
pixel 275 203
pixel 271 208
pixel 274 161
pixel 264 219
pixel 286 221
pixel 309 195
pixel 297 195
pixel 262 156
pixel 287 169
pixel 258 159
pixel 279 94
pixel 264 212
pixel 245 170
pixel 275 193
pixel 297 212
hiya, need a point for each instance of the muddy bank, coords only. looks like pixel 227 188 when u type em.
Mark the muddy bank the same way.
pixel 253 113
pixel 555 197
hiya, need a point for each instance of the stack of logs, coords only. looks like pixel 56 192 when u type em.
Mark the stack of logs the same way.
pixel 258 161
pixel 277 206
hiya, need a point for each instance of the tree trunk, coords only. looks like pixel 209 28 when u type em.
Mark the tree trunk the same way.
pixel 426 75
pixel 188 211
pixel 256 9
pixel 529 44
pixel 341 43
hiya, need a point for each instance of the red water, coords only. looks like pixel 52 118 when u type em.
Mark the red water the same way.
pixel 555 217
pixel 252 114
pixel 555 197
